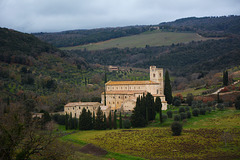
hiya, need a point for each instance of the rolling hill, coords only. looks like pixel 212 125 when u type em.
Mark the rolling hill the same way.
pixel 149 38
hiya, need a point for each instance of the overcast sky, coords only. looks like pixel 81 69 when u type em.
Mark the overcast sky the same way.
pixel 59 15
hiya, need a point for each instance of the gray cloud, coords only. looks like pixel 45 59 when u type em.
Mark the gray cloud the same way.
pixel 58 15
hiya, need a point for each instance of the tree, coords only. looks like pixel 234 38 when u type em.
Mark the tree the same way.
pixel 93 119
pixel 115 120
pixel 189 99
pixel 99 124
pixel 150 107
pixel 237 103
pixel 22 136
pixel 176 101
pixel 167 88
pixel 176 128
pixel 83 120
pixel 105 81
pixel 225 78
pixel 105 122
pixel 120 120
pixel 158 104
pixel 70 121
pixel 110 120
pixel 66 122
pixel 89 120
pixel 137 119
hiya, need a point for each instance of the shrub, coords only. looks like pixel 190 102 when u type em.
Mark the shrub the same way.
pixel 195 112
pixel 189 114
pixel 127 124
pixel 237 105
pixel 183 115
pixel 176 101
pixel 220 106
pixel 176 128
pixel 202 111
pixel 187 108
pixel 209 103
pixel 169 114
pixel 189 99
pixel 214 108
pixel 209 109
pixel 175 112
pixel 177 117
pixel 164 117
pixel 181 109
pixel 193 107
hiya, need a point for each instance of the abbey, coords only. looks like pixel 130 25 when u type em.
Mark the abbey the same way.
pixel 122 95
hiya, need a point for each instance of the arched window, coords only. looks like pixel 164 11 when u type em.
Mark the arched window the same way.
pixel 153 75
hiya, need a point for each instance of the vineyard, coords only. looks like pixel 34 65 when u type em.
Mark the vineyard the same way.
pixel 215 137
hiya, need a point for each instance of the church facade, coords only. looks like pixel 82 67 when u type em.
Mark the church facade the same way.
pixel 122 95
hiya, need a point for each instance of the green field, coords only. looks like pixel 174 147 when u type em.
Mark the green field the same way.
pixel 153 38
pixel 215 135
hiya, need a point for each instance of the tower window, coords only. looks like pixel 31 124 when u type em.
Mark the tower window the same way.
pixel 153 75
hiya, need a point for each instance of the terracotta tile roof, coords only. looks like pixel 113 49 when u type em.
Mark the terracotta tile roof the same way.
pixel 124 92
pixel 72 104
pixel 130 82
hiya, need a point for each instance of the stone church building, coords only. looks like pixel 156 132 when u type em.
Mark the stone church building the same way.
pixel 122 95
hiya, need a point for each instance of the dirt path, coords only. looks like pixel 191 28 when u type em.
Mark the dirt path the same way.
pixel 223 87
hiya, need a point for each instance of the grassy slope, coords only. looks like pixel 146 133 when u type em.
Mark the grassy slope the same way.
pixel 153 38
pixel 201 138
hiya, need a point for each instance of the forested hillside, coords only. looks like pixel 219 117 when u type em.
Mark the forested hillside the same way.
pixel 206 26
pixel 181 59
pixel 40 76
pixel 80 37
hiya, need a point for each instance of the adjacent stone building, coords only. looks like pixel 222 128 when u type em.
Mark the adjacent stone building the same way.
pixel 76 108
pixel 122 95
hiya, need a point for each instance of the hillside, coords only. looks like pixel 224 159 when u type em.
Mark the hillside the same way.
pixel 37 74
pixel 32 71
pixel 80 37
pixel 205 26
pixel 181 59
pixel 149 38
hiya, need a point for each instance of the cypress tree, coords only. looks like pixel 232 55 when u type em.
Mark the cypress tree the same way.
pixel 66 122
pixel 115 120
pixel 79 122
pixel 225 78
pixel 89 120
pixel 110 120
pixel 99 124
pixel 158 104
pixel 83 120
pixel 93 119
pixel 120 120
pixel 167 88
pixel 150 107
pixel 105 81
pixel 70 121
pixel 75 122
pixel 137 118
pixel 105 121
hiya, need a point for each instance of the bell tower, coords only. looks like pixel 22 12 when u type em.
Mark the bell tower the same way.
pixel 156 74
